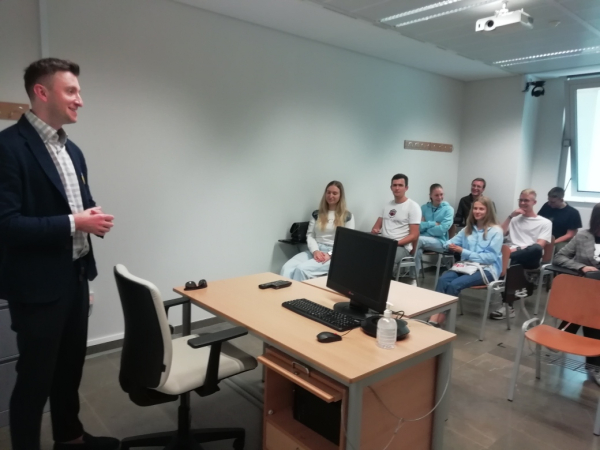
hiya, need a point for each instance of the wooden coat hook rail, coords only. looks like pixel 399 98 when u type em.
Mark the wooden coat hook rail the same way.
pixel 12 111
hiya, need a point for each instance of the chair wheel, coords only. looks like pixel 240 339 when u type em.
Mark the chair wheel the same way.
pixel 238 444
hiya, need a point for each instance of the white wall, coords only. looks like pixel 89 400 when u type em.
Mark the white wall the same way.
pixel 207 136
pixel 492 140
pixel 19 46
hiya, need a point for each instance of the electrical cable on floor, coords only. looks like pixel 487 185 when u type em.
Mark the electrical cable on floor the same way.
pixel 401 420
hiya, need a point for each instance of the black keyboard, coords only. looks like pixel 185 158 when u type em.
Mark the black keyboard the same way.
pixel 321 314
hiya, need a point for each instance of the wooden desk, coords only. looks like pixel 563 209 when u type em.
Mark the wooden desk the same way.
pixel 416 302
pixel 355 362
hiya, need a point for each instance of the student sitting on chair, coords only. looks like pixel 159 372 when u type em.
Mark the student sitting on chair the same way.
pixel 465 203
pixel 565 219
pixel 582 253
pixel 400 218
pixel 332 213
pixel 528 233
pixel 435 223
pixel 479 245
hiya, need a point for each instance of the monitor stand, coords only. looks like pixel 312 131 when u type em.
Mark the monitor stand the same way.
pixel 348 308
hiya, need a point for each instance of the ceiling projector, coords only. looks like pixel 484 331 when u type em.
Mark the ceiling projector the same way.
pixel 504 18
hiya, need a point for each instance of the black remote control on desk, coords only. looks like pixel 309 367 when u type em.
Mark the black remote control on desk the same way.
pixel 275 284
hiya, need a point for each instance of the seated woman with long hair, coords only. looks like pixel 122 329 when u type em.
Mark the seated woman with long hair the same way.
pixel 582 254
pixel 332 213
pixel 479 242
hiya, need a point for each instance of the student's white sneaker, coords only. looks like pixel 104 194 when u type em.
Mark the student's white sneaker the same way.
pixel 500 313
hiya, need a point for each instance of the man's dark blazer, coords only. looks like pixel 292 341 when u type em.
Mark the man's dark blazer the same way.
pixel 36 246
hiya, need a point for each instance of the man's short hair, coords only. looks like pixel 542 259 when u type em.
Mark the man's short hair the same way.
pixel 400 176
pixel 556 192
pixel 42 68
pixel 529 192
pixel 480 179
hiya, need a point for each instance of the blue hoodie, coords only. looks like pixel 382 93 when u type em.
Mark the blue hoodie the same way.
pixel 443 214
pixel 483 251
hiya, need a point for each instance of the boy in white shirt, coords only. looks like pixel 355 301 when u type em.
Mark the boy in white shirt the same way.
pixel 527 233
pixel 400 218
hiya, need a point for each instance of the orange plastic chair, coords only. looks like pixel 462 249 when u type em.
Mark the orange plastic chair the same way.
pixel 574 300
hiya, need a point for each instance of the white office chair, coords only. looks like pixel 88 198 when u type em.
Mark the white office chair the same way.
pixel 157 369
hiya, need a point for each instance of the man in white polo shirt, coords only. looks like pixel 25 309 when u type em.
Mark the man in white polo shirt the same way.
pixel 527 233
pixel 400 218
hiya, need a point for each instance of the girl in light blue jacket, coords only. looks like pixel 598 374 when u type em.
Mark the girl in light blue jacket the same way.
pixel 437 219
pixel 479 242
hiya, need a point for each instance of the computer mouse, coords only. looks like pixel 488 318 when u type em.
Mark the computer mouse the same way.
pixel 326 337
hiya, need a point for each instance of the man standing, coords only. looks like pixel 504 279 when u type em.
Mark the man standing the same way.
pixel 528 233
pixel 465 203
pixel 400 219
pixel 565 219
pixel 46 259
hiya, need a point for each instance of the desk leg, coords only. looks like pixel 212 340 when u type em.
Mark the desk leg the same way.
pixel 441 413
pixel 186 326
pixel 354 421
pixel 451 324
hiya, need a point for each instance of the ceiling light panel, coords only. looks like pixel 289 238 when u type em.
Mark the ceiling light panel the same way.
pixel 420 10
pixel 545 56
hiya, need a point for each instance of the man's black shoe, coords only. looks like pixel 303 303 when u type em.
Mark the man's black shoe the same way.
pixel 91 443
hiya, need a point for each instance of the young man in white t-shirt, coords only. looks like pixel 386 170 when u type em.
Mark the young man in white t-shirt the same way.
pixel 527 233
pixel 400 218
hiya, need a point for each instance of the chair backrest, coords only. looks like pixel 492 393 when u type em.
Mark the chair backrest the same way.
pixel 452 231
pixel 548 252
pixel 147 348
pixel 576 300
pixel 505 259
pixel 298 231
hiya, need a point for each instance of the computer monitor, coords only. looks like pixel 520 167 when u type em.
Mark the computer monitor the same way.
pixel 361 269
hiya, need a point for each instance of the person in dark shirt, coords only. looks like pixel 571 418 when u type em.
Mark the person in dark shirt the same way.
pixel 565 219
pixel 464 206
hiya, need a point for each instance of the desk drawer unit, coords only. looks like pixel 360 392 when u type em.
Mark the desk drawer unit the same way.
pixel 281 429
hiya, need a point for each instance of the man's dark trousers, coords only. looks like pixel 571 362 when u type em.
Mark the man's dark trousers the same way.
pixel 52 340
pixel 528 257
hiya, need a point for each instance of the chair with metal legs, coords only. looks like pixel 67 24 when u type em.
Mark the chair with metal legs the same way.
pixel 441 256
pixel 544 264
pixel 494 286
pixel 572 299
pixel 409 262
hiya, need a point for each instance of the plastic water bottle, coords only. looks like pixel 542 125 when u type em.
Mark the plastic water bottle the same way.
pixel 387 329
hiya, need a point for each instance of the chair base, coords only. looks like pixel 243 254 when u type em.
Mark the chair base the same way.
pixel 172 440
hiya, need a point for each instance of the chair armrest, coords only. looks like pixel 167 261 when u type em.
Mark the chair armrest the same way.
pixel 186 312
pixel 175 302
pixel 530 324
pixel 559 270
pixel 497 284
pixel 217 337
pixel 215 340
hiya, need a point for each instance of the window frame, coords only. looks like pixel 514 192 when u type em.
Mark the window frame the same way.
pixel 569 144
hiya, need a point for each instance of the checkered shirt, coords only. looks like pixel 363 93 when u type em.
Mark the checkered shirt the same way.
pixel 55 143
